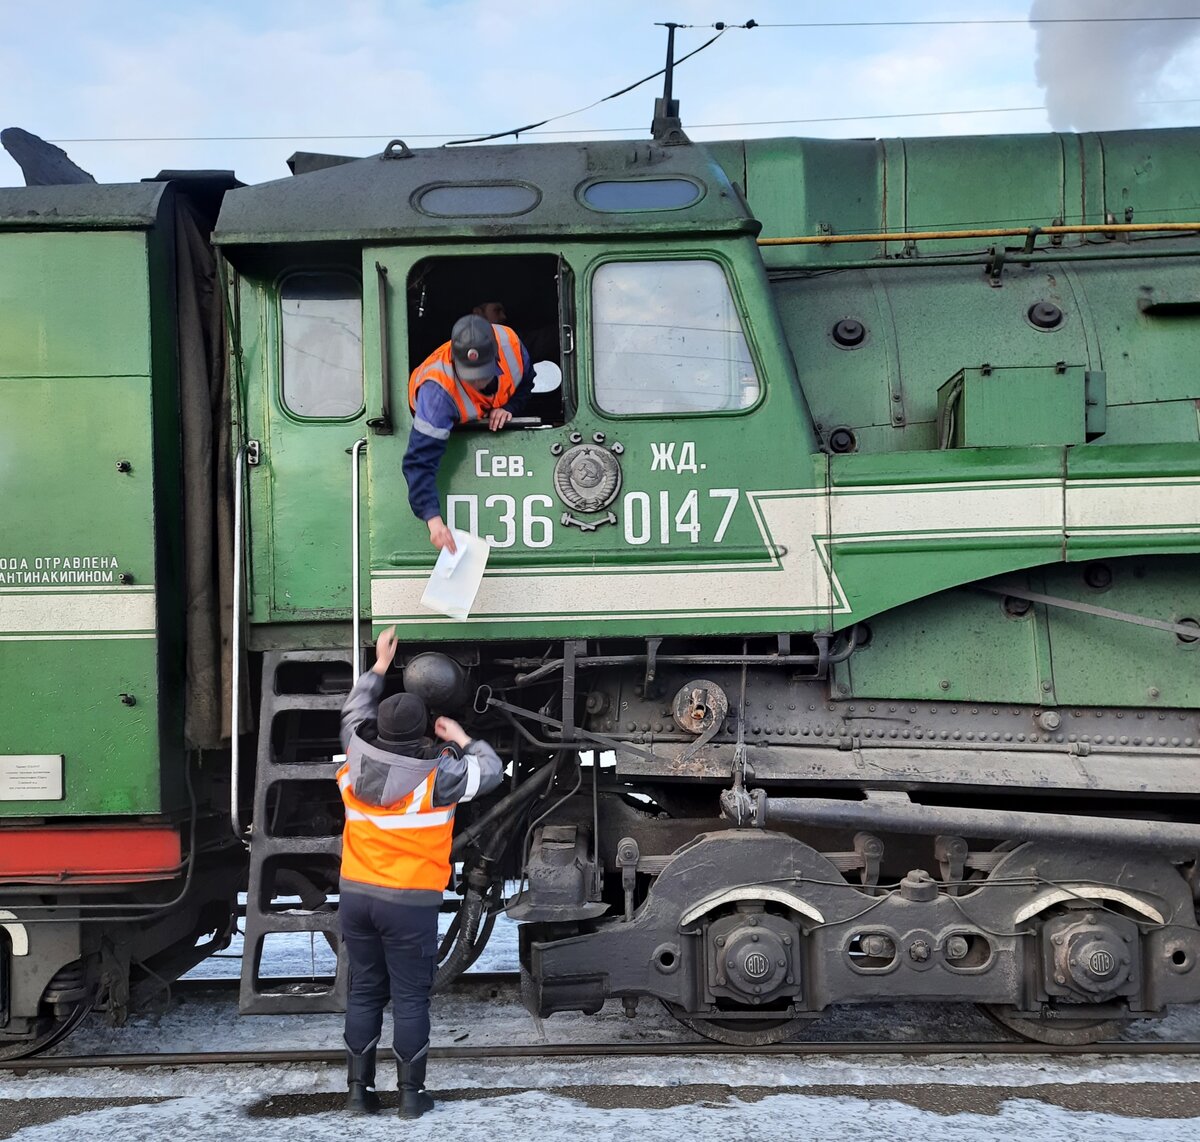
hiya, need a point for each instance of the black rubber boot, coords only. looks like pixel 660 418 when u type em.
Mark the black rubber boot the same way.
pixel 410 1082
pixel 360 1080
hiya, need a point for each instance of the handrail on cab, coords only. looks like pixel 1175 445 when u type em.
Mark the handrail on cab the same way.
pixel 355 585
pixel 235 716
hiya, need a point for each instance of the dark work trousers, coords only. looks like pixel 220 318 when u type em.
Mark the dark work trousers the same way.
pixel 392 949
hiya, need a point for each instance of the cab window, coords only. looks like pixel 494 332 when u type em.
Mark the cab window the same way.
pixel 530 293
pixel 322 345
pixel 666 338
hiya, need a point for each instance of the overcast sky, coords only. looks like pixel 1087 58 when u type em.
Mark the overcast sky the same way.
pixel 99 75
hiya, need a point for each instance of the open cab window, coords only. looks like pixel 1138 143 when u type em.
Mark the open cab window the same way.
pixel 526 292
pixel 666 338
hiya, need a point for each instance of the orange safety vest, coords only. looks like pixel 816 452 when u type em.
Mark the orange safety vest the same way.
pixel 470 402
pixel 405 846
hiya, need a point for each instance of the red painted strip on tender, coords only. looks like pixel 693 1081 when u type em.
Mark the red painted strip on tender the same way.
pixel 93 852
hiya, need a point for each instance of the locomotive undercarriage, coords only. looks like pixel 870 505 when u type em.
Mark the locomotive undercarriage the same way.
pixel 739 879
pixel 108 950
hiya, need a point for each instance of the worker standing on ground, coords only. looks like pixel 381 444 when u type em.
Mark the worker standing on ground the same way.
pixel 483 373
pixel 400 789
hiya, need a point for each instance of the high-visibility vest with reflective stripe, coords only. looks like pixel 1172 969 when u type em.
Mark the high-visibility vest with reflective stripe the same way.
pixel 471 404
pixel 405 846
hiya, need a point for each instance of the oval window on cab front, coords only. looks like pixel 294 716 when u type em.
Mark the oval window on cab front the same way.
pixel 322 345
pixel 666 338
pixel 477 200
pixel 641 194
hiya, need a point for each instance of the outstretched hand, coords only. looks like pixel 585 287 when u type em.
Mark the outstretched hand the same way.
pixel 385 650
pixel 450 731
pixel 498 418
pixel 440 535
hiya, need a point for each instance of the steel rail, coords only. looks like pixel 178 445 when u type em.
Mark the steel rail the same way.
pixel 996 232
pixel 468 981
pixel 833 1049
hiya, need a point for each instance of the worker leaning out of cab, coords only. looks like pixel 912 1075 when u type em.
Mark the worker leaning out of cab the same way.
pixel 483 373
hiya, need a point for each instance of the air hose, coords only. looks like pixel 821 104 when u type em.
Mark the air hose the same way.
pixel 496 824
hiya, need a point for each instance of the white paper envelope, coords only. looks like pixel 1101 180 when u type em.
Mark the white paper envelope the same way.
pixel 455 580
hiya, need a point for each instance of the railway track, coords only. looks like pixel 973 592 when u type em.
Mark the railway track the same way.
pixel 493 980
pixel 470 981
pixel 837 1049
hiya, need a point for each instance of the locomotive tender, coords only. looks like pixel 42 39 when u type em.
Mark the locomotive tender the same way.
pixel 841 616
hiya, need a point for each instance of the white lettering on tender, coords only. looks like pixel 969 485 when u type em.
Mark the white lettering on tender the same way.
pixel 663 459
pixel 684 517
pixel 52 570
pixel 499 465
pixel 644 517
pixel 664 456
pixel 537 530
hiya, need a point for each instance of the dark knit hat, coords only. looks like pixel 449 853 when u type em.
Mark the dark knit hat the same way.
pixel 402 720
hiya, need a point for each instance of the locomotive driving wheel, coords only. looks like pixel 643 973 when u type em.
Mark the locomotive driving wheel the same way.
pixel 1051 1029
pixel 740 1032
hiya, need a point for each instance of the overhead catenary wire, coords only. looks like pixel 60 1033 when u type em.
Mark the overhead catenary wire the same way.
pixel 969 22
pixel 590 130
pixel 517 131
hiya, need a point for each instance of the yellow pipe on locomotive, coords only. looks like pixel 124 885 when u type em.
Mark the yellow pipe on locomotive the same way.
pixel 998 232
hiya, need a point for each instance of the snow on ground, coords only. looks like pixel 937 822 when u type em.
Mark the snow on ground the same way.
pixel 548 1116
pixel 963 1098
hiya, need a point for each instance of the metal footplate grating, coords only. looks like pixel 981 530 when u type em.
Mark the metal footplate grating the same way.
pixel 297 742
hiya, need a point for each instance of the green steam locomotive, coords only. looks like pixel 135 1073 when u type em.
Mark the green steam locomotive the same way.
pixel 842 610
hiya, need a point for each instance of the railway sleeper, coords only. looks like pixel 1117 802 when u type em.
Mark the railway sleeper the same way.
pixel 745 932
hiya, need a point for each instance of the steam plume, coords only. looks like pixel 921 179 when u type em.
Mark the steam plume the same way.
pixel 1094 75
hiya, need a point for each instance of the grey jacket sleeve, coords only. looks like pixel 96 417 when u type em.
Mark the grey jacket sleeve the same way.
pixel 478 771
pixel 361 704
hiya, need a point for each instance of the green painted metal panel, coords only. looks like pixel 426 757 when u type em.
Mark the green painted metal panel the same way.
pixel 962 646
pixel 1149 324
pixel 993 181
pixel 923 325
pixel 97 421
pixel 66 654
pixel 954 647
pixel 77 514
pixel 299 493
pixel 74 306
pixel 1156 174
pixel 1165 421
pixel 1103 662
pixel 989 408
pixel 63 698
pixel 798 186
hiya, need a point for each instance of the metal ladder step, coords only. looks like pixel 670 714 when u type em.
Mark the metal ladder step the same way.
pixel 293 854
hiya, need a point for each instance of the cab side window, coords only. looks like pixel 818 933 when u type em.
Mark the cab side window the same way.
pixel 322 345
pixel 666 338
